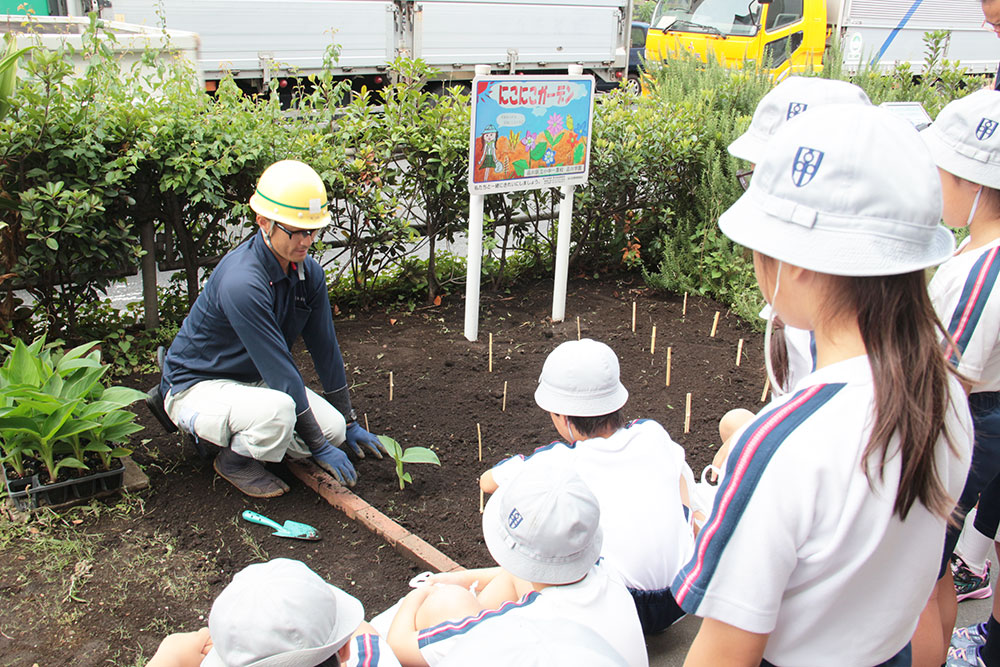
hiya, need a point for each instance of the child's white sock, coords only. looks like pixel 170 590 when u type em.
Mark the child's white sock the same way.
pixel 973 546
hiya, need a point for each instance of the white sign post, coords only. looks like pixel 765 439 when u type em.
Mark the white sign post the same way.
pixel 527 132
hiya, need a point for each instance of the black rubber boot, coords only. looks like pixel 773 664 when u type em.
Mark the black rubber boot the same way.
pixel 248 475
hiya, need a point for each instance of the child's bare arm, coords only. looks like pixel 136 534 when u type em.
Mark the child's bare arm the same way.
pixel 402 635
pixel 487 483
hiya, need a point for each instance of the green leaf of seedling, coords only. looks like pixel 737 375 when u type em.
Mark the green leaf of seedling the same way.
pixel 122 396
pixel 391 447
pixel 22 367
pixel 119 452
pixel 420 455
pixel 407 478
pixel 70 462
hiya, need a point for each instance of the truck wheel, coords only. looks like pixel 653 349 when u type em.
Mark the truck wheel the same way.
pixel 632 85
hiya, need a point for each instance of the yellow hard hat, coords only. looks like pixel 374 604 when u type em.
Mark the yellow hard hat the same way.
pixel 293 193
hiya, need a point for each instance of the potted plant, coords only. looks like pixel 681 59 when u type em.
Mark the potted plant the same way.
pixel 61 429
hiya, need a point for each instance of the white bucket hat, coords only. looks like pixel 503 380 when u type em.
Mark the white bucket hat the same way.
pixel 847 190
pixel 964 140
pixel 544 526
pixel 580 378
pixel 787 100
pixel 280 614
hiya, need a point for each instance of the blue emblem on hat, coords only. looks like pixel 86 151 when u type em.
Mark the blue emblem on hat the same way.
pixel 986 129
pixel 795 108
pixel 514 519
pixel 806 164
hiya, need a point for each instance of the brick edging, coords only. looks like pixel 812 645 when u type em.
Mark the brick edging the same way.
pixel 358 509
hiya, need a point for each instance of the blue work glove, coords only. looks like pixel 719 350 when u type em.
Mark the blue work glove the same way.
pixel 357 436
pixel 335 462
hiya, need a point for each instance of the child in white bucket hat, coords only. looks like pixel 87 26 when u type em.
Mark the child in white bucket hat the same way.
pixel 282 614
pixel 543 530
pixel 824 540
pixel 634 469
pixel 793 349
pixel 964 142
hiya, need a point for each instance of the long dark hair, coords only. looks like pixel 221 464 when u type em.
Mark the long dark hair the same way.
pixel 902 335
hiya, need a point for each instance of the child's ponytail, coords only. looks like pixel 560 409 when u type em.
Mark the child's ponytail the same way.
pixel 902 335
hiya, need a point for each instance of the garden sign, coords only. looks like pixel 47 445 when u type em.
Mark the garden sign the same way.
pixel 527 132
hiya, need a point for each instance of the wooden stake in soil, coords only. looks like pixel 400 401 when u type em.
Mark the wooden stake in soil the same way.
pixel 578 327
pixel 739 352
pixel 503 407
pixel 491 353
pixel 366 423
pixel 633 317
pixel 652 341
pixel 391 385
pixel 767 386
pixel 715 325
pixel 684 308
pixel 479 434
pixel 669 350
pixel 687 413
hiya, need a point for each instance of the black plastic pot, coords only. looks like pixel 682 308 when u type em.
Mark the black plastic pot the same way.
pixel 29 493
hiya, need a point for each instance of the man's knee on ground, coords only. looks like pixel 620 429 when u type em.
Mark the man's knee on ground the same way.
pixel 448 602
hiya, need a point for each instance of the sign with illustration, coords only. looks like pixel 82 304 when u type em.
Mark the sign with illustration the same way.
pixel 530 132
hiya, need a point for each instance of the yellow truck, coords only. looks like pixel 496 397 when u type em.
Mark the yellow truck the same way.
pixel 792 35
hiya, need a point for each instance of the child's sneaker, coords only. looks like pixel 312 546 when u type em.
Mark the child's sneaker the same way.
pixel 969 585
pixel 962 657
pixel 974 635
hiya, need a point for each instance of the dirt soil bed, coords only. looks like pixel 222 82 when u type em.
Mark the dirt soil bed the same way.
pixel 101 584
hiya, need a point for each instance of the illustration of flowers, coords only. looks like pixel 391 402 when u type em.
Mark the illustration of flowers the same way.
pixel 549 158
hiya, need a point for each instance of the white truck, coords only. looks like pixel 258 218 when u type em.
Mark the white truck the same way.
pixel 259 40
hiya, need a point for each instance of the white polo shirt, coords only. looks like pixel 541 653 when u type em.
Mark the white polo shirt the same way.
pixel 598 601
pixel 800 546
pixel 962 293
pixel 634 474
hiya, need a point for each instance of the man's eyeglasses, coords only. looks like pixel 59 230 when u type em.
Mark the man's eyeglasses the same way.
pixel 744 178
pixel 299 233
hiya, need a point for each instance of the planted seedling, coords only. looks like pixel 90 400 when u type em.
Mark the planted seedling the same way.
pixel 409 455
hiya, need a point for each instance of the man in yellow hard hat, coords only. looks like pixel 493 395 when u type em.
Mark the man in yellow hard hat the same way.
pixel 229 377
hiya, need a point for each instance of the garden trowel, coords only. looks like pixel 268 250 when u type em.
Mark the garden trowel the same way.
pixel 293 529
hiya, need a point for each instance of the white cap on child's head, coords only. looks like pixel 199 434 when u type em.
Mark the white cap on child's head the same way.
pixel 964 140
pixel 580 378
pixel 280 614
pixel 785 101
pixel 544 526
pixel 847 190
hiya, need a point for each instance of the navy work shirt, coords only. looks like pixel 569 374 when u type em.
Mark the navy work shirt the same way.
pixel 244 323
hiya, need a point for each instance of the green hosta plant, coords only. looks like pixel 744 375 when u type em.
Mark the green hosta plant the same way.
pixel 409 455
pixel 53 407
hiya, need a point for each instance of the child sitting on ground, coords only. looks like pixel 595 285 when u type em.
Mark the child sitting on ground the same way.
pixel 636 471
pixel 279 613
pixel 543 529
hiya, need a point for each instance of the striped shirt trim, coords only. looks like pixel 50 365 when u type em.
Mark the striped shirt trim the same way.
pixel 368 651
pixel 750 456
pixel 971 304
pixel 449 629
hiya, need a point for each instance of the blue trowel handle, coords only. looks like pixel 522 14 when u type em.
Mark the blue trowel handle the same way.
pixel 253 517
